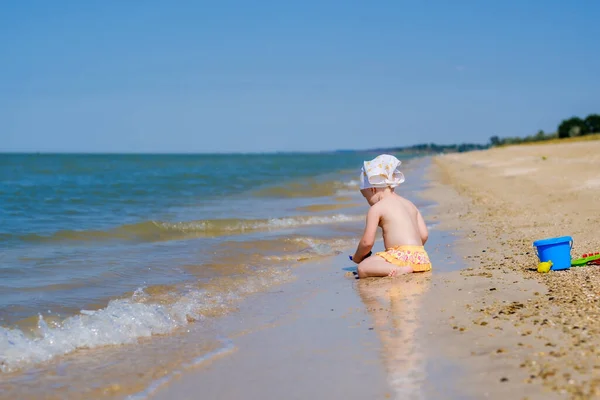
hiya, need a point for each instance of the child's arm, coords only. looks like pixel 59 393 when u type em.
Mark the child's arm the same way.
pixel 368 239
pixel 422 227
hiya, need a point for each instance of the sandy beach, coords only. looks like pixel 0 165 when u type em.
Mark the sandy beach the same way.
pixel 515 332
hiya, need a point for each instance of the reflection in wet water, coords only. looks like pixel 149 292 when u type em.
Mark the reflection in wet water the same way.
pixel 394 305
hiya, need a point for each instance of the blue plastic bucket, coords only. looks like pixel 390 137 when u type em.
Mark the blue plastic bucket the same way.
pixel 557 250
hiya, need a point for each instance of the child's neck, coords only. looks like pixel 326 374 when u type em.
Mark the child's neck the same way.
pixel 384 193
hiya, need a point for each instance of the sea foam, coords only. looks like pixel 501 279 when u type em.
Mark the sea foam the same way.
pixel 122 321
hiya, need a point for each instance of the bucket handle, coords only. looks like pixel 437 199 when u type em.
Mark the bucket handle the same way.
pixel 571 247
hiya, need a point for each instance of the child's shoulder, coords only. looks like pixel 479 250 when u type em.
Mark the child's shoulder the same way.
pixel 398 197
pixel 404 201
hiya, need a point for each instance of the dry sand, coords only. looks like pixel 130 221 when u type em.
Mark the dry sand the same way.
pixel 517 333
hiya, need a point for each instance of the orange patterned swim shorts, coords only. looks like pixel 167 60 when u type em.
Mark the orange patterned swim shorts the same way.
pixel 407 256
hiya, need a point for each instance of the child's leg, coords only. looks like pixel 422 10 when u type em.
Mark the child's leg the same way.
pixel 376 266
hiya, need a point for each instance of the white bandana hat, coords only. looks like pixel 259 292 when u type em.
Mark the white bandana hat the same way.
pixel 381 172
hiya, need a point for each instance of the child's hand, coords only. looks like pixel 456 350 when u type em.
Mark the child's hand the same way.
pixel 367 256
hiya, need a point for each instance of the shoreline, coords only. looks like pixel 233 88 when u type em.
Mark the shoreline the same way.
pixel 329 335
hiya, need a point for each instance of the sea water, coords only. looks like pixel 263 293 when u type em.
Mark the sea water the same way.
pixel 99 250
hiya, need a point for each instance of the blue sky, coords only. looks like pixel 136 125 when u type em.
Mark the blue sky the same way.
pixel 196 76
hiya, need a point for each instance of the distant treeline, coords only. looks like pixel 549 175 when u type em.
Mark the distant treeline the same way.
pixel 571 127
pixel 432 148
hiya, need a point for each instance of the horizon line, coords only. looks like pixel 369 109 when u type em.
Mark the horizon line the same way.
pixel 96 153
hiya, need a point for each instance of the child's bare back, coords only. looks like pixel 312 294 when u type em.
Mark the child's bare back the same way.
pixel 400 221
pixel 403 227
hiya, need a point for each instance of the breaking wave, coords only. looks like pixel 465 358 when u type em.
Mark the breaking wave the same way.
pixel 127 320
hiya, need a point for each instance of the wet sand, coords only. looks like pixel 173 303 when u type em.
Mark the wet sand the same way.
pixel 326 335
pixel 311 339
pixel 514 332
